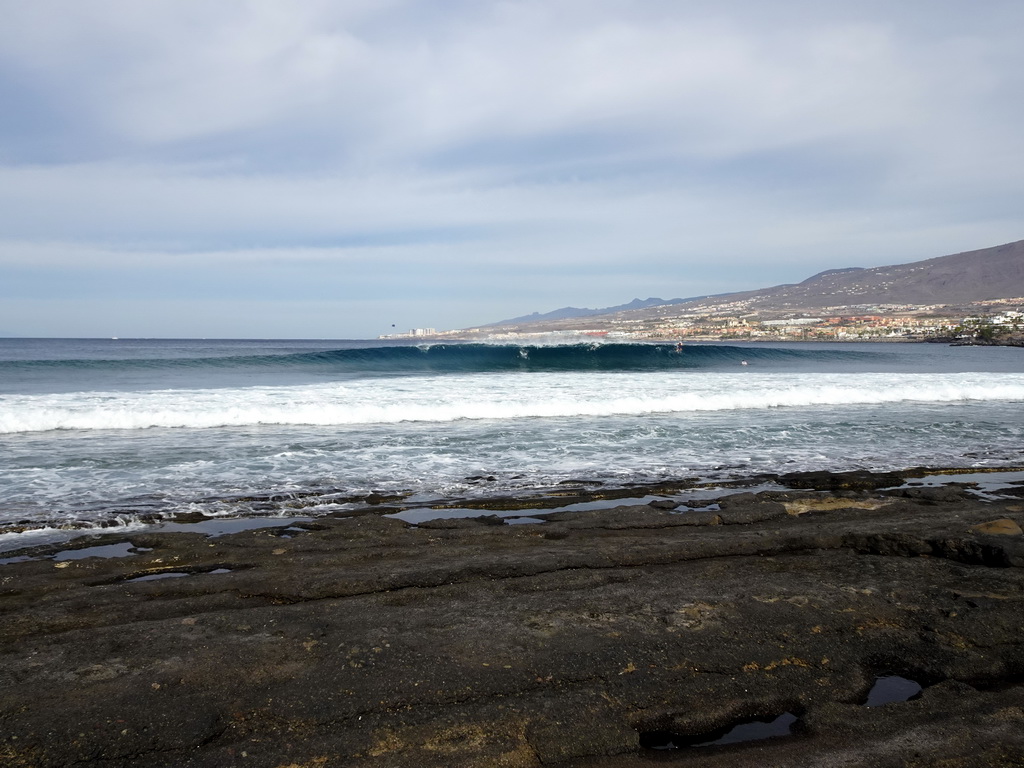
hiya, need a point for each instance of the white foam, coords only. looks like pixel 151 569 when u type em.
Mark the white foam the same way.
pixel 489 396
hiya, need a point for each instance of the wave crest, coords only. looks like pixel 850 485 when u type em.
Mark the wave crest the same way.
pixel 471 358
pixel 449 399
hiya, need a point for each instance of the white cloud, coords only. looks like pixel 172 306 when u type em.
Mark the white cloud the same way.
pixel 158 72
pixel 621 141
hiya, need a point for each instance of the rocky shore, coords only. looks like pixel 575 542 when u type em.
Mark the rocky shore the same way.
pixel 1001 341
pixel 613 637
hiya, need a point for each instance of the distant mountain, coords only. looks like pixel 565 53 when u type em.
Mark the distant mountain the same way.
pixel 961 278
pixel 567 313
pixel 988 273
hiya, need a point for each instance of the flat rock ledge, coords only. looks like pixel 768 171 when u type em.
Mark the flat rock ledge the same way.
pixel 584 641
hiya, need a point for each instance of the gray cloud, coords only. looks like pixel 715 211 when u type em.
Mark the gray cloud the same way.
pixel 562 152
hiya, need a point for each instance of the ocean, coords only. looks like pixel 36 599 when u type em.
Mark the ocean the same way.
pixel 96 432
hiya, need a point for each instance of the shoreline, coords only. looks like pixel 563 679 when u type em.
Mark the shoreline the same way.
pixel 568 495
pixel 602 637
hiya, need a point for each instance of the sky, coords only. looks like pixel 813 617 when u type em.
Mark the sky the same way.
pixel 349 168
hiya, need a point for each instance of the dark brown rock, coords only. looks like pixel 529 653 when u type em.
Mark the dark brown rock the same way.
pixel 369 642
pixel 834 481
pixel 742 508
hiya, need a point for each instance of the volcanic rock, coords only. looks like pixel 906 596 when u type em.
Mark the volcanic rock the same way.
pixel 587 640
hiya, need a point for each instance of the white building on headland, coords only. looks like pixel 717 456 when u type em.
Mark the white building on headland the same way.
pixel 414 333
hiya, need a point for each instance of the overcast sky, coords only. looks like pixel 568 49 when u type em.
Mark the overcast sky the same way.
pixel 328 168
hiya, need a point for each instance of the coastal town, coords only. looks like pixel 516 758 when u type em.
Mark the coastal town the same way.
pixel 985 321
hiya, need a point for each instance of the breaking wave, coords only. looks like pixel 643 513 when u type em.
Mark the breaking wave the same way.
pixel 448 399
pixel 471 358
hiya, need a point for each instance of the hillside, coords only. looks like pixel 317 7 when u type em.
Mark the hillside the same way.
pixel 567 313
pixel 957 279
pixel 988 273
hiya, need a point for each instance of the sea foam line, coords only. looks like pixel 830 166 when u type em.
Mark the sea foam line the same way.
pixel 366 405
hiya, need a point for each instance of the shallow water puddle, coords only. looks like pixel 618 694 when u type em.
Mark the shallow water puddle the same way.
pixel 212 527
pixel 426 514
pixel 222 526
pixel 124 549
pixel 175 575
pixel 890 689
pixel 986 485
pixel 157 576
pixel 17 559
pixel 887 689
pixel 754 729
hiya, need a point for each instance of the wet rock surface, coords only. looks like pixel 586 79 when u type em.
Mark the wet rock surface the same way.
pixel 581 641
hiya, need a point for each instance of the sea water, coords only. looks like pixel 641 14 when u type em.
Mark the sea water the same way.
pixel 102 430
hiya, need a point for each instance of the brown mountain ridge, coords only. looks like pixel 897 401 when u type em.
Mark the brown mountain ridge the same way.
pixel 958 279
pixel 988 273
